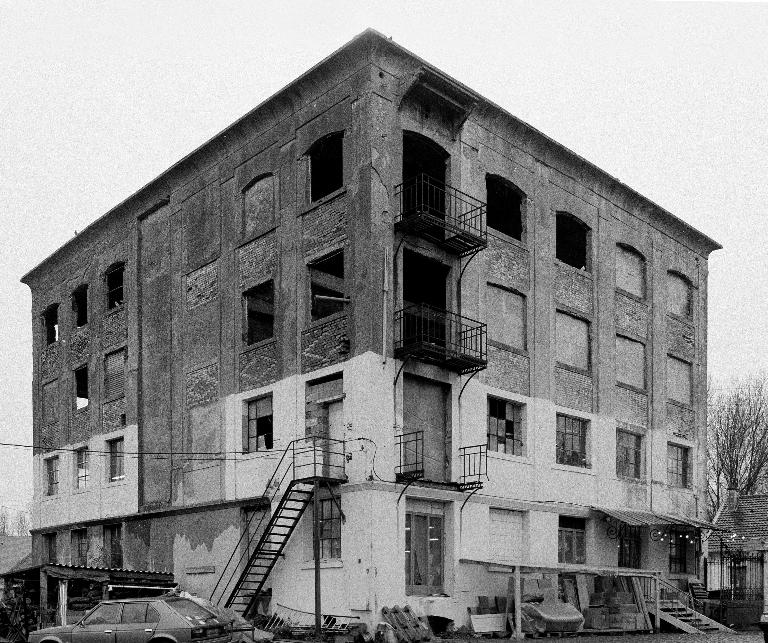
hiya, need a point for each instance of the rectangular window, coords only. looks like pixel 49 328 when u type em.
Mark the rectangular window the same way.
pixel 505 426
pixel 571 540
pixel 49 547
pixel 572 335
pixel 506 531
pixel 259 308
pixel 423 554
pixel 82 466
pixel 330 529
pixel 326 277
pixel 326 165
pixel 257 432
pixel 572 441
pixel 678 464
pixel 52 476
pixel 113 545
pixel 679 380
pixel 630 271
pixel 80 305
pixel 629 547
pixel 259 205
pixel 114 279
pixel 679 296
pixel 630 362
pixel 678 550
pixel 116 464
pixel 506 316
pixel 50 403
pixel 114 375
pixel 629 454
pixel 81 387
pixel 79 546
pixel 51 323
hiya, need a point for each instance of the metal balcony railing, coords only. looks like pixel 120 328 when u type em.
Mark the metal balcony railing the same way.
pixel 410 447
pixel 474 466
pixel 440 337
pixel 444 215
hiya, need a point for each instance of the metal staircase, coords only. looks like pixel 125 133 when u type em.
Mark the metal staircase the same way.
pixel 289 490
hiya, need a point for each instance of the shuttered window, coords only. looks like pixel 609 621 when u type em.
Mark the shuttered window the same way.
pixel 506 530
pixel 114 375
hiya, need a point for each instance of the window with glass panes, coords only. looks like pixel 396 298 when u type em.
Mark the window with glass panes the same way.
pixel 330 528
pixel 52 476
pixel 49 547
pixel 82 467
pixel 116 463
pixel 423 553
pixel 79 546
pixel 678 552
pixel 678 474
pixel 629 547
pixel 572 441
pixel 505 426
pixel 113 545
pixel 571 540
pixel 258 434
pixel 629 454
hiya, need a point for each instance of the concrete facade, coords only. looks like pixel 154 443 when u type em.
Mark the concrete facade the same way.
pixel 237 213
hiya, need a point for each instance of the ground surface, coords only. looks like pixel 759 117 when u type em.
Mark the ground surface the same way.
pixel 672 637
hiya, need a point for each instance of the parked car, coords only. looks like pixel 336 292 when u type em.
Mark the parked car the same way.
pixel 141 620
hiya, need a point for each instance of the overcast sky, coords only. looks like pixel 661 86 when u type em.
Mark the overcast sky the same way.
pixel 97 98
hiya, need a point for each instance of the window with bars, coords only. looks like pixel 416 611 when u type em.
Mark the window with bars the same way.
pixel 114 282
pixel 572 441
pixel 424 553
pixel 505 426
pixel 678 465
pixel 113 545
pixel 629 547
pixel 116 449
pixel 79 546
pixel 571 540
pixel 259 309
pixel 678 552
pixel 629 454
pixel 330 528
pixel 52 476
pixel 114 375
pixel 82 466
pixel 258 429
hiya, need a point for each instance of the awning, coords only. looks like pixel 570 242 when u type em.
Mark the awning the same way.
pixel 636 518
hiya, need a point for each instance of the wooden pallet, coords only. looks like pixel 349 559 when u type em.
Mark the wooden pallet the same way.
pixel 408 627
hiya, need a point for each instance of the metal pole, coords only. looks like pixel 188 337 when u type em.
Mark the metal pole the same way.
pixel 316 549
pixel 657 620
pixel 518 606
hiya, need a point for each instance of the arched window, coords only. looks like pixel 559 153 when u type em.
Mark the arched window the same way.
pixel 326 165
pixel 630 270
pixel 572 241
pixel 259 204
pixel 505 206
pixel 679 299
pixel 114 281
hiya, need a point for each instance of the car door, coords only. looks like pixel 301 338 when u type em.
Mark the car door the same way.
pixel 138 623
pixel 99 626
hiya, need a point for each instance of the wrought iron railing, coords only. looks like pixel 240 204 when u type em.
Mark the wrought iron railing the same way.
pixel 441 337
pixel 474 466
pixel 410 447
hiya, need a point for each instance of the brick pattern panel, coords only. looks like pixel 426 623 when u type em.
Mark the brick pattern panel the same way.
pixel 258 367
pixel 507 370
pixel 115 330
pixel 50 437
pixel 202 286
pixel 680 420
pixel 79 345
pixel 80 429
pixel 316 414
pixel 573 390
pixel 325 225
pixel 202 386
pixel 680 338
pixel 573 289
pixel 257 260
pixel 113 415
pixel 631 406
pixel 508 264
pixel 631 316
pixel 324 344
pixel 49 361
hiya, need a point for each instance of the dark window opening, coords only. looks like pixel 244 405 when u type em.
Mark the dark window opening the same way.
pixel 82 467
pixel 116 464
pixel 114 278
pixel 678 551
pixel 326 165
pixel 52 476
pixel 327 285
pixel 678 466
pixel 571 540
pixel 79 546
pixel 629 547
pixel 258 426
pixel 80 305
pixel 629 455
pixel 423 554
pixel 113 545
pixel 424 280
pixel 505 421
pixel 81 387
pixel 422 156
pixel 259 303
pixel 49 547
pixel 572 441
pixel 51 323
pixel 504 207
pixel 571 241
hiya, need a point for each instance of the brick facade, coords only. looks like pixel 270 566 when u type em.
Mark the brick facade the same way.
pixel 324 344
pixel 259 366
pixel 114 329
pixel 202 386
pixel 324 226
pixel 202 286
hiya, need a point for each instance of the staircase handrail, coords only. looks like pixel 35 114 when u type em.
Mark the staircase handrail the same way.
pixel 680 595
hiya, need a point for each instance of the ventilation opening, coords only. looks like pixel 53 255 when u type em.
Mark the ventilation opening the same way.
pixel 572 241
pixel 81 387
pixel 80 305
pixel 326 165
pixel 504 207
pixel 114 278
pixel 51 323
pixel 327 285
pixel 259 303
pixel 424 281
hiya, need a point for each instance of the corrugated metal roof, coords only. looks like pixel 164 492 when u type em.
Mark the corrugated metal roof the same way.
pixel 28 563
pixel 637 518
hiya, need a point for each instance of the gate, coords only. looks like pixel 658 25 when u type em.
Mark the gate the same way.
pixel 735 575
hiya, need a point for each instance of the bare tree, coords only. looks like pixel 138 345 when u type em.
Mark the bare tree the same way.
pixel 5 520
pixel 737 440
pixel 21 524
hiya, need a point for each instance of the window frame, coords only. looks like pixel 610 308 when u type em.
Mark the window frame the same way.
pixel 632 251
pixel 330 528
pixel 582 456
pixel 588 324
pixel 415 589
pixel 578 536
pixel 328 282
pixel 637 464
pixel 678 551
pixel 78 390
pixel 249 338
pixel 116 462
pixel 51 325
pixel 52 475
pixel 505 184
pixel 672 359
pixel 314 150
pixel 245 231
pixel 78 550
pixel 111 290
pixel 517 420
pixel 115 552
pixel 687 314
pixel 506 339
pixel 50 546
pixel 82 468
pixel 630 545
pixel 631 340
pixel 108 397
pixel 249 422
pixel 678 468
pixel 80 305
pixel 563 216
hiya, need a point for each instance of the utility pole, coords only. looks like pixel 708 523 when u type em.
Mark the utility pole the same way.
pixel 316 549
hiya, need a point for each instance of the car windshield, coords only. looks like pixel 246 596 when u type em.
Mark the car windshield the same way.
pixel 189 609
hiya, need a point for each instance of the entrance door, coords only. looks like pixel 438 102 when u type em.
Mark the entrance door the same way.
pixel 335 459
pixel 425 409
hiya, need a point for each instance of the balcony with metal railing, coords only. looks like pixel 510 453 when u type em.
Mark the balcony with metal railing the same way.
pixel 410 447
pixel 474 466
pixel 441 214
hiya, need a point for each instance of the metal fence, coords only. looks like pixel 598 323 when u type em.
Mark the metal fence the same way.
pixel 735 575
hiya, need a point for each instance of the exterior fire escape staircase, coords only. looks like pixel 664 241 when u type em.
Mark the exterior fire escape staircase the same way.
pixel 289 491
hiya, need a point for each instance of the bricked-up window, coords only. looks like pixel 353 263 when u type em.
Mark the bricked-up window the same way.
pixel 50 403
pixel 326 165
pixel 505 426
pixel 113 545
pixel 80 305
pixel 259 204
pixel 49 547
pixel 114 280
pixel 423 553
pixel 114 375
pixel 572 335
pixel 506 316
pixel 630 362
pixel 679 380
pixel 629 454
pixel 81 387
pixel 52 476
pixel 51 323
pixel 571 540
pixel 678 550
pixel 258 429
pixel 116 450
pixel 679 295
pixel 82 468
pixel 629 547
pixel 504 207
pixel 572 241
pixel 330 528
pixel 630 271
pixel 326 277
pixel 79 546
pixel 572 441
pixel 678 466
pixel 259 305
